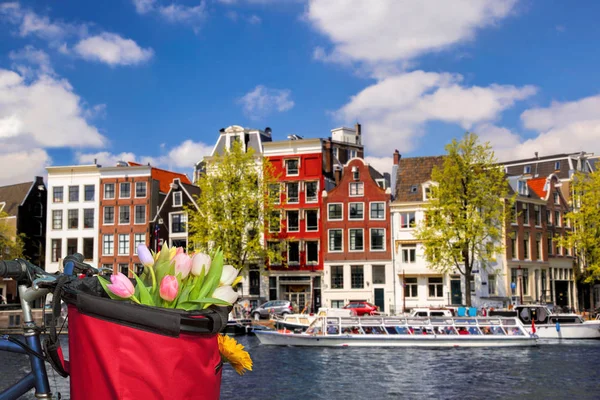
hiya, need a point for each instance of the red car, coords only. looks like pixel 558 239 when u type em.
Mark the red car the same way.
pixel 360 308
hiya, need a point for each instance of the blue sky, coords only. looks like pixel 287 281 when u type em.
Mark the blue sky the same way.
pixel 155 80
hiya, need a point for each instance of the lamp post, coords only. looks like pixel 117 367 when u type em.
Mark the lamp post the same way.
pixel 520 276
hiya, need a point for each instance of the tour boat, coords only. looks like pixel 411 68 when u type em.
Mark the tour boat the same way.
pixel 327 331
pixel 295 322
pixel 548 325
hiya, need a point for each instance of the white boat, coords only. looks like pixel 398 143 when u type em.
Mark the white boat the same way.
pixel 404 332
pixel 554 326
pixel 302 321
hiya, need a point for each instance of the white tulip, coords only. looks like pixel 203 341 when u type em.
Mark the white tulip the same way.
pixel 228 275
pixel 198 261
pixel 226 293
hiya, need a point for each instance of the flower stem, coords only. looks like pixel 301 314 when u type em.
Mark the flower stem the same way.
pixel 135 299
pixel 153 278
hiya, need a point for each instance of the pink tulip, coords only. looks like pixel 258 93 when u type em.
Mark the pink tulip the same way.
pixel 121 285
pixel 169 288
pixel 183 265
pixel 179 250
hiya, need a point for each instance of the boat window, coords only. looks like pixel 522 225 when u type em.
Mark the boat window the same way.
pixel 391 330
pixel 437 314
pixel 496 330
pixel 402 330
pixel 332 329
pixel 378 330
pixel 462 330
pixel 514 332
pixel 473 330
pixel 450 330
pixel 486 330
pixel 422 314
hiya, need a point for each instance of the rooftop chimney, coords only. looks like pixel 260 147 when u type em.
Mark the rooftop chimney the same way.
pixel 357 129
pixel 397 157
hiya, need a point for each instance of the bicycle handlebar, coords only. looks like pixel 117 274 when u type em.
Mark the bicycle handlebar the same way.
pixel 22 270
pixel 15 269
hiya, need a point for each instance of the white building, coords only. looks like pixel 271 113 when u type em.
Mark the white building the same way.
pixel 72 221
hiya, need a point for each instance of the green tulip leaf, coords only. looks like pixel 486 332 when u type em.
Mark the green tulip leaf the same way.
pixel 209 301
pixel 214 275
pixel 144 295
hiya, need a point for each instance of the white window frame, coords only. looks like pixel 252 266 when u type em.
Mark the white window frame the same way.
pixel 341 250
pixel 306 242
pixel 335 219
pixel 121 191
pixel 371 204
pixel 371 242
pixel 287 221
pixel 285 164
pixel 114 191
pixel 306 220
pixel 350 218
pixel 177 199
pixel 128 241
pixel 306 199
pixel 287 198
pixel 125 223
pixel 406 214
pixel 104 237
pixel 104 216
pixel 288 253
pixel 350 241
pixel 145 190
pixel 279 230
pixel 135 221
pixel 437 285
pixel 358 185
pixel 136 242
pixel 408 248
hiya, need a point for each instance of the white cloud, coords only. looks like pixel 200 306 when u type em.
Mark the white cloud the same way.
pixel 395 30
pixel 562 114
pixel 44 113
pixel 263 101
pixel 108 159
pixel 395 109
pixel 113 50
pixel 144 6
pixel 187 154
pixel 32 56
pixel 173 12
pixel 254 20
pixel 381 164
pixel 23 166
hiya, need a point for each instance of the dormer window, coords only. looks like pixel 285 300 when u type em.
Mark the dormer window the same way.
pixel 428 190
pixel 522 188
pixel 414 188
pixel 557 165
pixel 355 173
pixel 556 198
pixel 527 169
pixel 291 166
pixel 177 199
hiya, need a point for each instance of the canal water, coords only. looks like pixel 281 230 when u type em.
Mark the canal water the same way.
pixel 548 371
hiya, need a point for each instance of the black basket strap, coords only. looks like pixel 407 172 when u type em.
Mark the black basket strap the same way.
pixel 214 320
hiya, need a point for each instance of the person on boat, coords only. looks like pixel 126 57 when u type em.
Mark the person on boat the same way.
pixel 463 331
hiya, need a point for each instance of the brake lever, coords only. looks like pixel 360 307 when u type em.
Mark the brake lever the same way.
pixel 44 280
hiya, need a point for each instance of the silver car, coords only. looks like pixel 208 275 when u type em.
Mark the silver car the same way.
pixel 273 307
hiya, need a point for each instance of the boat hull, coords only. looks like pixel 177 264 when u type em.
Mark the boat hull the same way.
pixel 273 338
pixel 587 330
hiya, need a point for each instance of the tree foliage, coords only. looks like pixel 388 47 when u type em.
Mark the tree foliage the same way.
pixel 11 244
pixel 584 217
pixel 466 213
pixel 234 206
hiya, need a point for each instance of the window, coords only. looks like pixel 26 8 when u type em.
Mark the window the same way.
pixel 275 193
pixel 178 223
pixel 525 214
pixel 557 165
pixel 275 247
pixel 335 240
pixel 138 268
pixel 356 239
pixel 377 239
pixel 89 192
pixel 409 253
pixel 377 210
pixel 275 221
pixel 293 224
pixel 71 246
pixel 57 194
pixel 73 219
pixel 312 252
pixel 73 193
pixel 294 253
pixel 337 303
pixel 138 238
pixel 272 287
pixel 527 169
pixel 357 277
pixel 526 255
pixel 514 213
pixel 548 217
pixel 357 189
pixel 292 192
pixel 335 212
pixel 140 189
pixel 411 287
pixel 312 190
pixel 123 244
pixel 351 154
pixel 140 214
pixel 513 246
pixel 312 220
pixel 177 199
pixel 557 218
pixel 538 246
pixel 550 246
pixel 124 269
pixel 522 188
pixel 378 272
pixel 336 152
pixel 492 284
pixel 337 277
pixel 88 248
pixel 254 278
pixel 108 245
pixel 525 281
pixel 56 250
pixel 109 191
pixel 125 190
pixel 407 220
pixel 538 215
pixel 109 215
pixel 556 198
pixel 124 217
pixel 356 210
pixel 436 287
pixel 57 219
pixel 88 218
pixel 291 166
pixel 355 173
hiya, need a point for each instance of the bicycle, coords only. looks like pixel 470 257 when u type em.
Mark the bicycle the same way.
pixel 35 283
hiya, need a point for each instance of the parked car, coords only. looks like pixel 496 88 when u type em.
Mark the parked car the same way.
pixel 360 308
pixel 275 307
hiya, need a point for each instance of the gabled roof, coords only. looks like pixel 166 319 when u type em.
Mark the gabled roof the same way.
pixel 413 172
pixel 164 177
pixel 13 195
pixel 538 186
pixel 188 189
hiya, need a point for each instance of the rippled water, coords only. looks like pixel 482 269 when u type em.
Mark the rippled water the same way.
pixel 548 371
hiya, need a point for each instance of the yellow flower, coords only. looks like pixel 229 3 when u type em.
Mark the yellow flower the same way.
pixel 234 353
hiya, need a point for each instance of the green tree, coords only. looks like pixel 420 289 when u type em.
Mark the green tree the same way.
pixel 11 244
pixel 467 210
pixel 234 207
pixel 584 218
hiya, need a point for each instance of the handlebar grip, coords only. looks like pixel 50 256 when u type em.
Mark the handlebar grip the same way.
pixel 13 269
